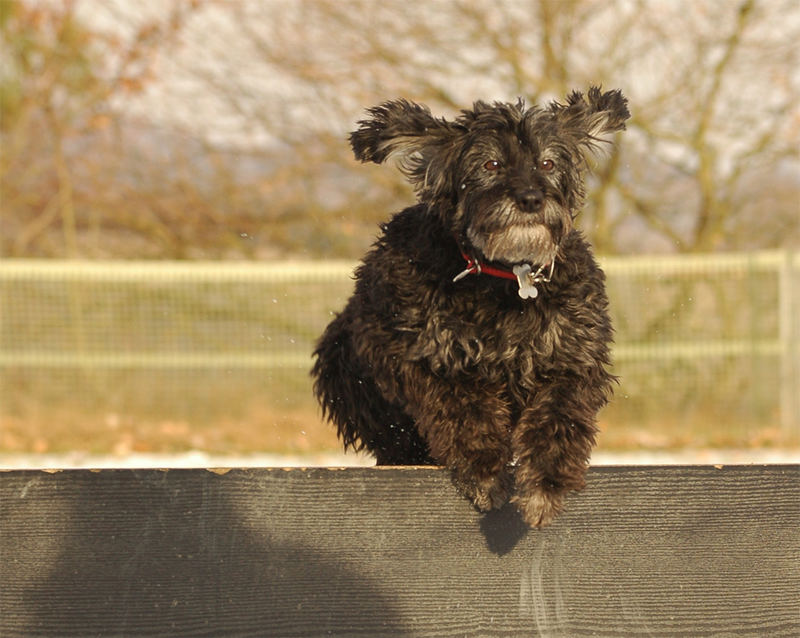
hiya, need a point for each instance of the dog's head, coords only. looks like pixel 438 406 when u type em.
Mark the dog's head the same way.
pixel 506 179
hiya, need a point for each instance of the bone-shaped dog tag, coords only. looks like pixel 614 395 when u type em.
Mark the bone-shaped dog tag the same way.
pixel 527 290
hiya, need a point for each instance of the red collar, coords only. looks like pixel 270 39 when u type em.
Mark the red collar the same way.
pixel 523 274
pixel 476 267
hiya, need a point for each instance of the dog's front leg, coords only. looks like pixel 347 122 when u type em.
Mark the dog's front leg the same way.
pixel 467 428
pixel 552 441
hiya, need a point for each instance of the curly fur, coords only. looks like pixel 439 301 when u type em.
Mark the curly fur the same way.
pixel 419 369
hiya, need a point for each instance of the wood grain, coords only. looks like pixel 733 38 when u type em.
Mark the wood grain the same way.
pixel 643 551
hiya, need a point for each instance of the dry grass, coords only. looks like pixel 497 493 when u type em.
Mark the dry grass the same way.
pixel 259 428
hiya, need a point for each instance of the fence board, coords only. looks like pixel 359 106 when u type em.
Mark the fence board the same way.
pixel 659 551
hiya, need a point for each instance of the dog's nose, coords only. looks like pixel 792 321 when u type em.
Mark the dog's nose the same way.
pixel 530 200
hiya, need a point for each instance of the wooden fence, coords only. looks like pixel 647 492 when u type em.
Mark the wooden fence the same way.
pixel 643 551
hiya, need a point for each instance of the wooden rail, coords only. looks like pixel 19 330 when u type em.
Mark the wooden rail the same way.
pixel 643 551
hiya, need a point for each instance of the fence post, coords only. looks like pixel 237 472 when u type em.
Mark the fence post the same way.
pixel 789 326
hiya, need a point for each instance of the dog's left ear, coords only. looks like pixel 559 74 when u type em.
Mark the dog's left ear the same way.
pixel 408 132
pixel 596 116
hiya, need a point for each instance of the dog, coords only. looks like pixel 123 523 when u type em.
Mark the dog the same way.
pixel 478 333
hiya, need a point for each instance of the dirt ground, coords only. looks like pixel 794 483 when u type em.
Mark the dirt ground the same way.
pixel 300 437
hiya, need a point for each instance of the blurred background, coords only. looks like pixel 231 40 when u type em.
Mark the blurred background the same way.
pixel 180 212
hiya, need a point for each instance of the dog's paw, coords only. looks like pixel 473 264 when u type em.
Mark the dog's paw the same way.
pixel 539 507
pixel 486 494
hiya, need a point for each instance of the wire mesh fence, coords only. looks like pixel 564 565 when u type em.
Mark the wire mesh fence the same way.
pixel 700 340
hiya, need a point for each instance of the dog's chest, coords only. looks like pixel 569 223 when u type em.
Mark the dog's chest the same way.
pixel 494 343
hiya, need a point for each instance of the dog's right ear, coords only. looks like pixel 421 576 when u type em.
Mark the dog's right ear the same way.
pixel 398 127
pixel 422 144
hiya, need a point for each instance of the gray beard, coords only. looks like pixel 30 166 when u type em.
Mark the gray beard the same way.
pixel 516 244
pixel 520 237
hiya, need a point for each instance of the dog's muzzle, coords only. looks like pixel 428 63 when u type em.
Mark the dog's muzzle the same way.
pixel 529 200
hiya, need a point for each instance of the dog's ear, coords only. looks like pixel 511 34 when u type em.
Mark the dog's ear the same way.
pixel 409 132
pixel 396 127
pixel 594 117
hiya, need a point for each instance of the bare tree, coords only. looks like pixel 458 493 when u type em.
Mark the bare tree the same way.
pixel 60 82
pixel 721 126
pixel 250 102
pixel 713 88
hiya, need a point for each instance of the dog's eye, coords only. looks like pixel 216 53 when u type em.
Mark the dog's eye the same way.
pixel 547 165
pixel 492 165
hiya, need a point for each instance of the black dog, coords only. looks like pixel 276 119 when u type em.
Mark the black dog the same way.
pixel 477 336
